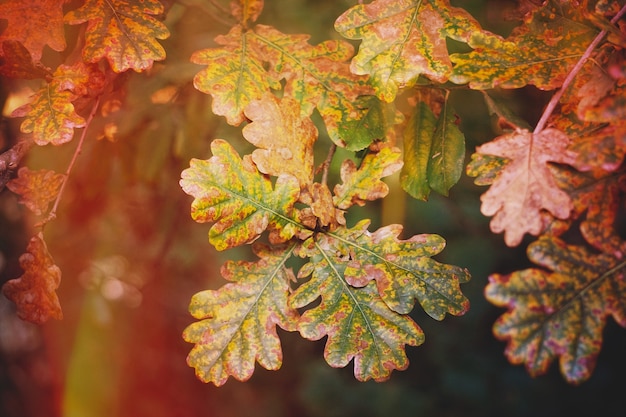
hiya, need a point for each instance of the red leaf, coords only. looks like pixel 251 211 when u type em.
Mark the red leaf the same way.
pixel 34 292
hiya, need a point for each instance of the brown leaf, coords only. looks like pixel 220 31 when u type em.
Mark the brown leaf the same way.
pixel 16 62
pixel 36 188
pixel 34 292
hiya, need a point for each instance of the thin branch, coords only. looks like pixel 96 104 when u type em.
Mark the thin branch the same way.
pixel 326 164
pixel 554 101
pixel 53 213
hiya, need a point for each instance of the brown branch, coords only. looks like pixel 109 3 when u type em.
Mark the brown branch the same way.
pixel 53 212
pixel 326 164
pixel 554 101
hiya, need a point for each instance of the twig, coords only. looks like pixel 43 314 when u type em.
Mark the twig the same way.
pixel 326 164
pixel 53 212
pixel 554 101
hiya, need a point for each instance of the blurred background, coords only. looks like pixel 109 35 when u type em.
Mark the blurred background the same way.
pixel 132 258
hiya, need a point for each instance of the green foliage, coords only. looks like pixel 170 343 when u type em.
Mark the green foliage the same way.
pixel 386 101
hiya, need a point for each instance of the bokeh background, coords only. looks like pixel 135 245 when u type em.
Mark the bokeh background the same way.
pixel 132 258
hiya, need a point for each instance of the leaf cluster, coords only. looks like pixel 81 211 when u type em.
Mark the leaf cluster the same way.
pixel 388 102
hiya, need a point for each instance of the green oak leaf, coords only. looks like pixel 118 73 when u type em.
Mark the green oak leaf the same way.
pixel 359 325
pixel 403 269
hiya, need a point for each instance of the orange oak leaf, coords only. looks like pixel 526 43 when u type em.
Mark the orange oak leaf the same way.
pixel 246 11
pixel 50 116
pixel 285 139
pixel 34 293
pixel 36 188
pixel 34 23
pixel 525 185
pixel 122 31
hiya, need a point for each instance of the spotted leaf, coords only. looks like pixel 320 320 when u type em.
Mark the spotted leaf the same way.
pixel 34 293
pixel 285 139
pixel 559 312
pixel 364 183
pixel 232 193
pixel 540 53
pixel 402 40
pixel 35 24
pixel 36 188
pixel 402 269
pixel 237 323
pixel 358 324
pixel 125 32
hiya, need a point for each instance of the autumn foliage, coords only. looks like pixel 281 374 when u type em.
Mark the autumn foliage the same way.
pixel 381 95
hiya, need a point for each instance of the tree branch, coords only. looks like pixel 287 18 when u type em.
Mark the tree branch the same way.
pixel 554 101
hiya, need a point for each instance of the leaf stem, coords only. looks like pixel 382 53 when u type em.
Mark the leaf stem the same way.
pixel 53 212
pixel 554 101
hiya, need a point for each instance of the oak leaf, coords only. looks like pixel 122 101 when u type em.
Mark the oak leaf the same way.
pixel 34 24
pixel 561 313
pixel 359 325
pixel 232 193
pixel 16 62
pixel 285 139
pixel 36 188
pixel 403 269
pixel 234 75
pixel 246 10
pixel 50 116
pixel 34 293
pixel 125 32
pixel 597 196
pixel 237 323
pixel 402 40
pixel 364 183
pixel 525 185
pixel 317 77
pixel 541 52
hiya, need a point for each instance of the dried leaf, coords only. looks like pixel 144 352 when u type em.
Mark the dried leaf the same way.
pixel 16 62
pixel 284 137
pixel 34 293
pixel 559 314
pixel 525 186
pixel 122 31
pixel 34 24
pixel 37 189
pixel 237 323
